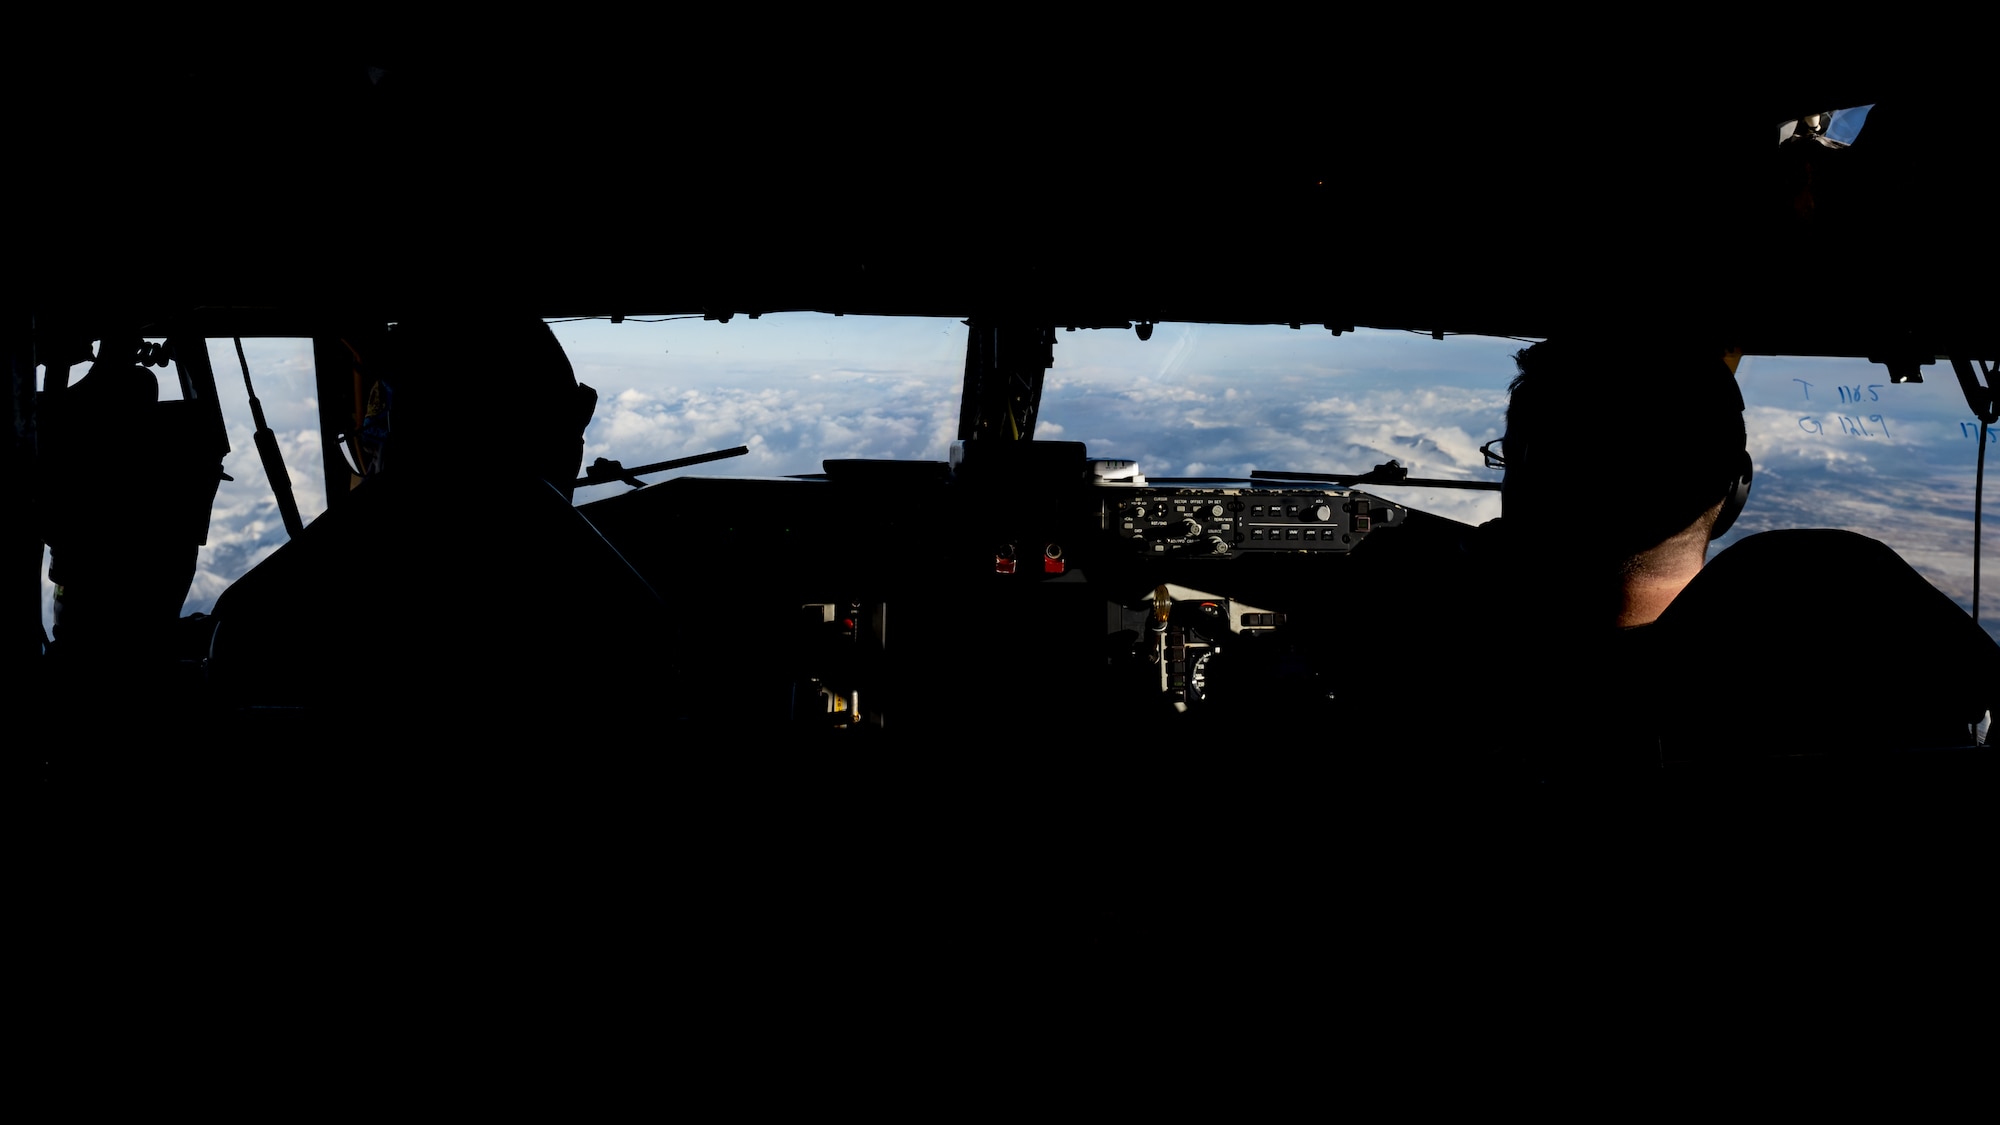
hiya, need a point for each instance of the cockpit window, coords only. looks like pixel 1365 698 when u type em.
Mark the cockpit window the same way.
pixel 244 526
pixel 1201 400
pixel 795 388
pixel 1836 444
pixel 1224 400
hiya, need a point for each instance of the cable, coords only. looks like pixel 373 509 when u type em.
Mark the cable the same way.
pixel 1978 497
pixel 1984 402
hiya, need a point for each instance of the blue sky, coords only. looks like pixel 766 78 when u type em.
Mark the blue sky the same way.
pixel 1833 443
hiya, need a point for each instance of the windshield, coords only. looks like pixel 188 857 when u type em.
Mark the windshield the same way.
pixel 1837 445
pixel 1834 443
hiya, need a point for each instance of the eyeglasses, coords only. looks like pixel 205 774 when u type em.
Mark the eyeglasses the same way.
pixel 1495 459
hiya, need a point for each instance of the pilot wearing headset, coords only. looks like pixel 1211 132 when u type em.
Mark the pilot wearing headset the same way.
pixel 1625 460
pixel 457 586
pixel 1623 464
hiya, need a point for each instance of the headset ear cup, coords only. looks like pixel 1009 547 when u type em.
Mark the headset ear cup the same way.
pixel 1733 500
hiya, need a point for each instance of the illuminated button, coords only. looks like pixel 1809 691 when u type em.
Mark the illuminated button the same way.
pixel 1292 534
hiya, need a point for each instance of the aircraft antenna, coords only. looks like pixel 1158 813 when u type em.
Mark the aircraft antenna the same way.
pixel 267 452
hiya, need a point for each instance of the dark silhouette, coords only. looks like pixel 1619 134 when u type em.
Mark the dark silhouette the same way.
pixel 1823 641
pixel 1619 508
pixel 122 548
pixel 1598 641
pixel 1627 646
pixel 456 593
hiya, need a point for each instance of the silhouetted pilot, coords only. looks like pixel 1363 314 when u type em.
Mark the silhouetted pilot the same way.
pixel 121 552
pixel 1592 635
pixel 456 593
pixel 1626 646
pixel 1622 464
pixel 1546 611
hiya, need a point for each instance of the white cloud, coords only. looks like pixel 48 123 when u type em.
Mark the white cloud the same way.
pixel 244 524
pixel 790 427
pixel 1339 433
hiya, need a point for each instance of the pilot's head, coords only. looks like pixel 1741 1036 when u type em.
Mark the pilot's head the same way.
pixel 1614 447
pixel 475 393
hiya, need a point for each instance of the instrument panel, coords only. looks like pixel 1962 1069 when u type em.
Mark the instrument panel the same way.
pixel 920 597
pixel 1232 521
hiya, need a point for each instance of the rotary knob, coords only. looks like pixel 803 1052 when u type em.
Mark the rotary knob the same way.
pixel 1316 513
